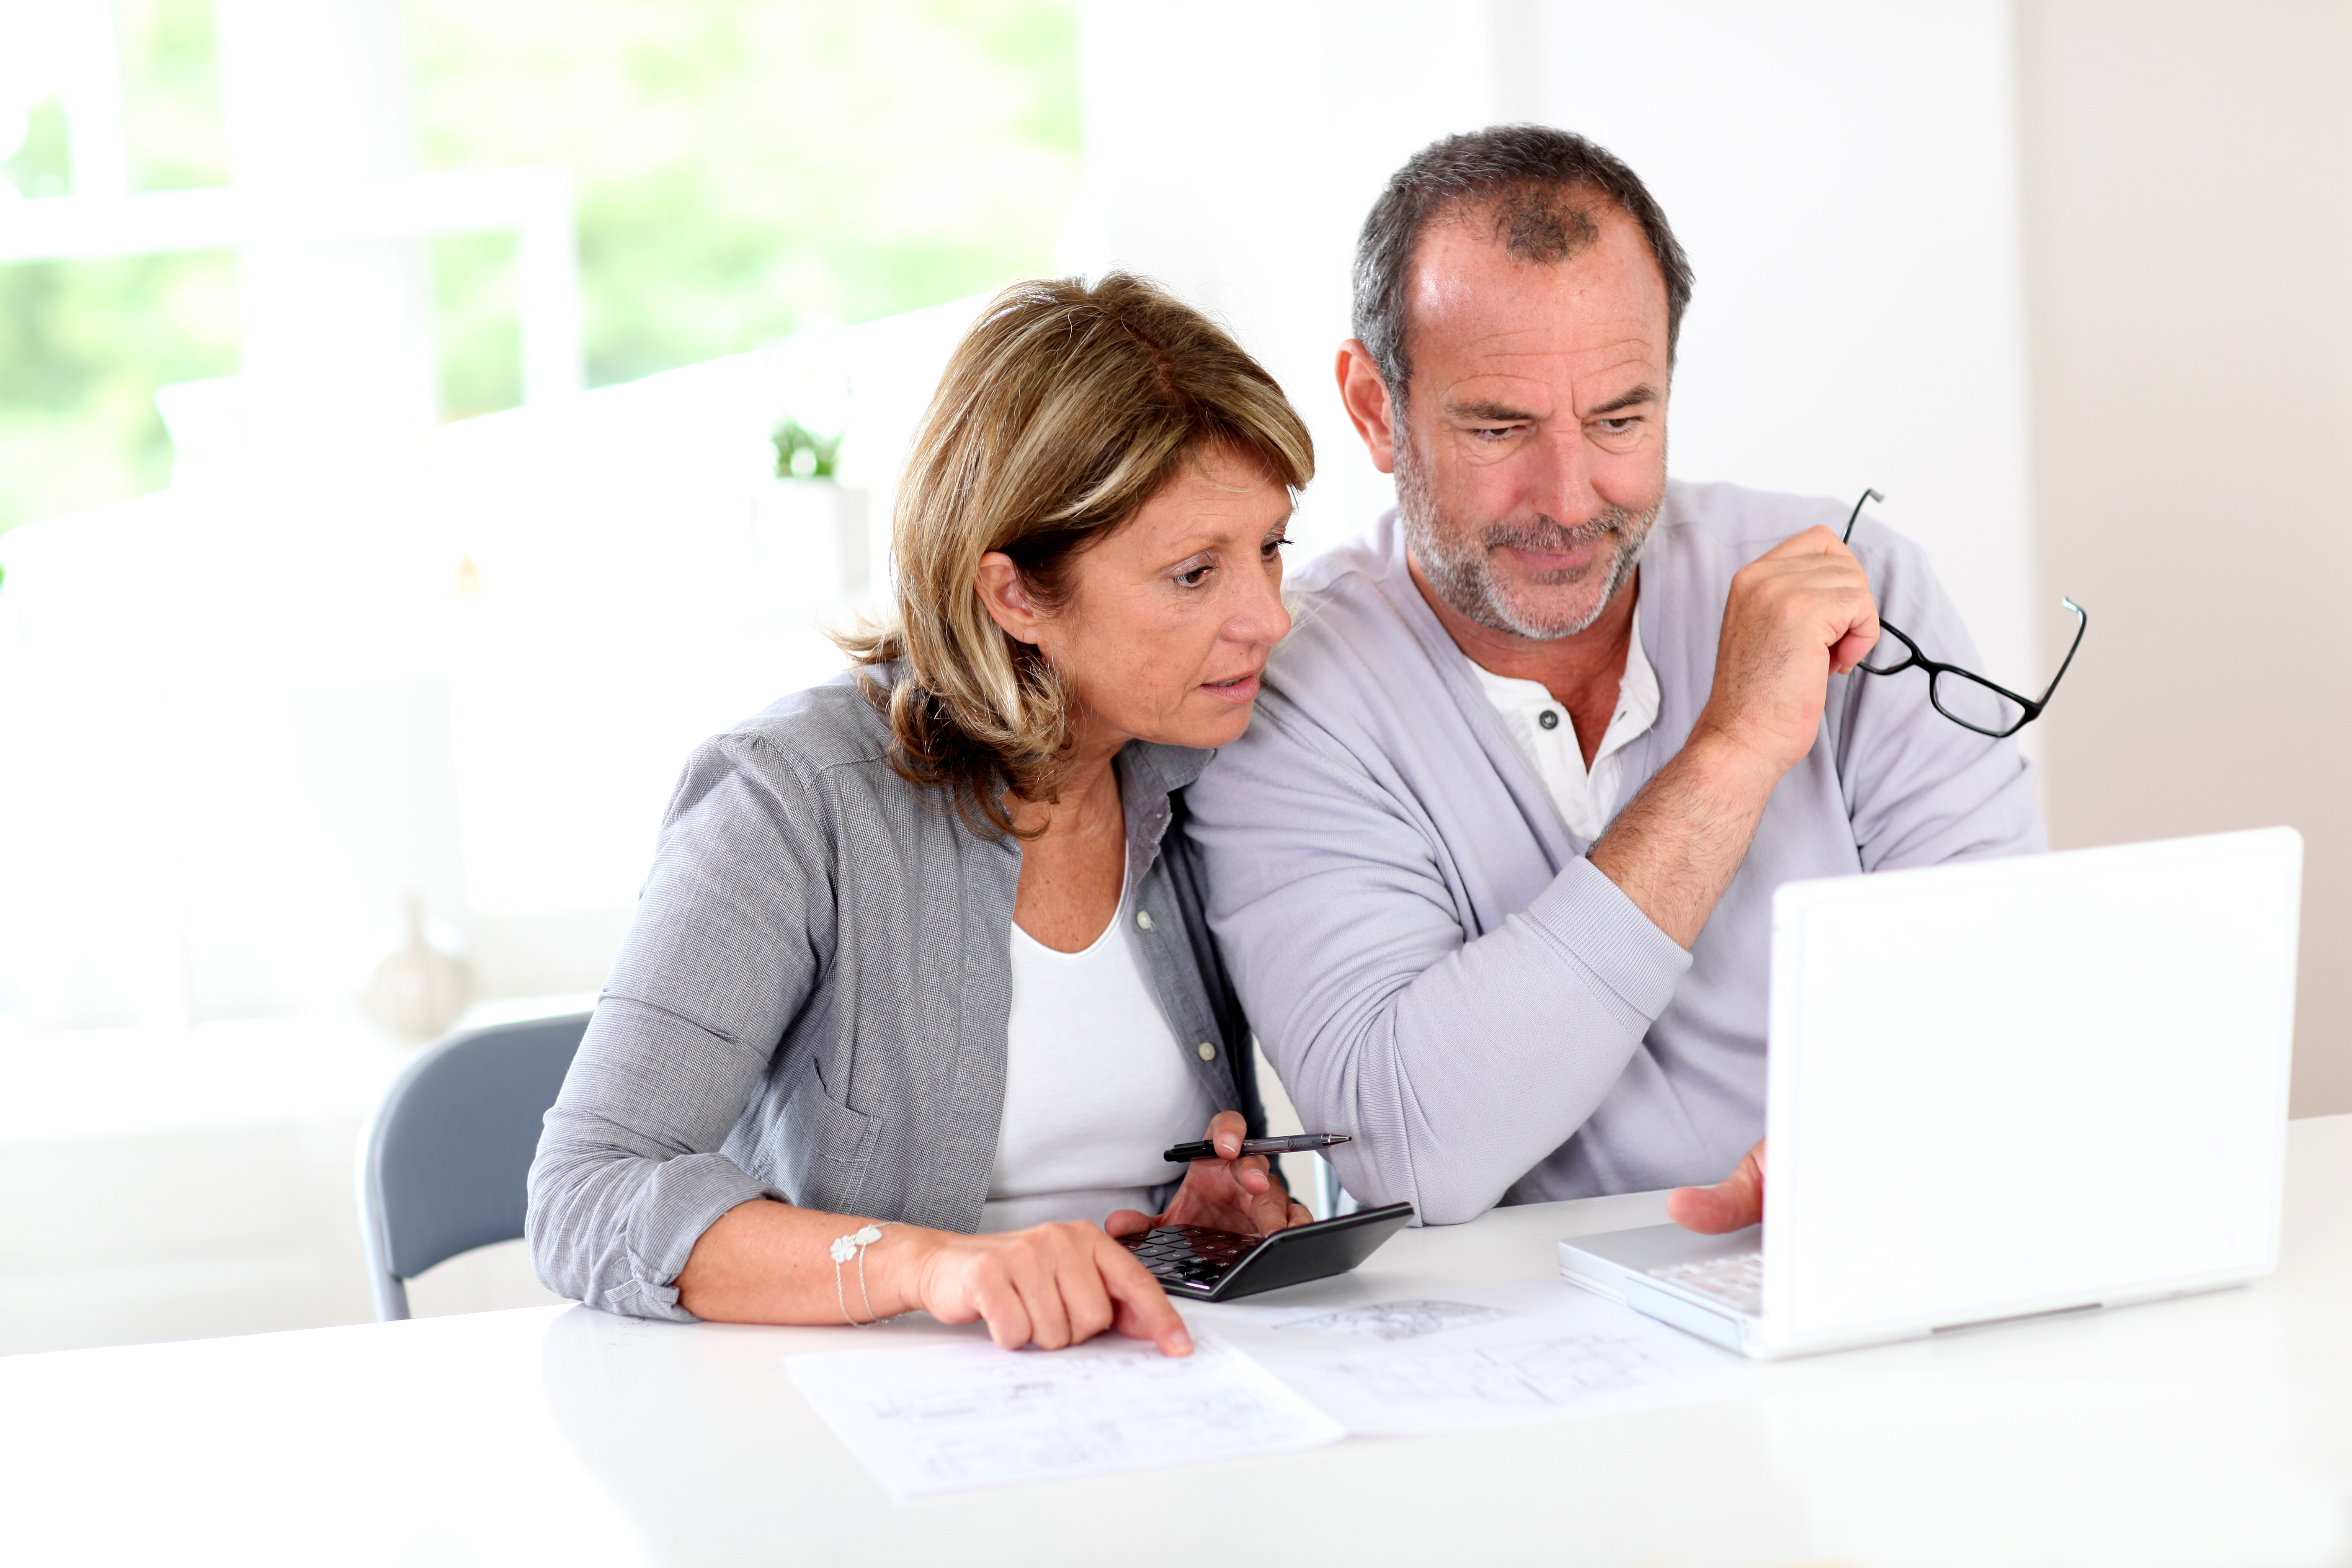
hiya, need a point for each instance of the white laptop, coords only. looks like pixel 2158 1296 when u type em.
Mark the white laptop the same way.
pixel 2002 1089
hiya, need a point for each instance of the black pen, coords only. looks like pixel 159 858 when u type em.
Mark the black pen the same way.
pixel 1185 1153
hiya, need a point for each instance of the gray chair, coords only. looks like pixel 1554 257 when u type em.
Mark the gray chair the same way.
pixel 443 1168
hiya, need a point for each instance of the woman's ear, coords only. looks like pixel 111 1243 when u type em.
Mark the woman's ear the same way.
pixel 1006 597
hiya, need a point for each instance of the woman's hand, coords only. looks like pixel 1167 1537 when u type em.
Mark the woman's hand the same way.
pixel 1224 1192
pixel 1048 1286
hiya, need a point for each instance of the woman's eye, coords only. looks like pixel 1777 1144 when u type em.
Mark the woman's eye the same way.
pixel 1195 576
pixel 1272 548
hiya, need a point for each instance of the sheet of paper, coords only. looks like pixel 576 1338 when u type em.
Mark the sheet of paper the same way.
pixel 947 1417
pixel 1498 1355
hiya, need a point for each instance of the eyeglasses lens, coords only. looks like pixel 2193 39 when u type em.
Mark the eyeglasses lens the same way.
pixel 1975 704
pixel 1891 655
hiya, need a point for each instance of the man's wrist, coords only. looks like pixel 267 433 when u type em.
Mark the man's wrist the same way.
pixel 1728 768
pixel 1680 842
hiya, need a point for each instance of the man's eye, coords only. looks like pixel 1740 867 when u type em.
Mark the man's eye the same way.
pixel 1616 427
pixel 1495 432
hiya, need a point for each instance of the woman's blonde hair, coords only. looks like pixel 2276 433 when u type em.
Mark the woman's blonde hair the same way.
pixel 1063 410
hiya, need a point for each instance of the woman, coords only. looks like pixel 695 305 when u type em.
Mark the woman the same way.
pixel 919 985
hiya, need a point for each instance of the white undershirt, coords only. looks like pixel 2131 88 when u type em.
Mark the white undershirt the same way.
pixel 1095 1085
pixel 1540 724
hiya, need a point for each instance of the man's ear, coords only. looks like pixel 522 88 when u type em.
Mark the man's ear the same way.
pixel 1367 398
pixel 1006 597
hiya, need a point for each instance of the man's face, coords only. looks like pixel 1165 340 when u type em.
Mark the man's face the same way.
pixel 1531 460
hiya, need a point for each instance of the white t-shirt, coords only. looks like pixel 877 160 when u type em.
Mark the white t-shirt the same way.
pixel 1587 799
pixel 1095 1085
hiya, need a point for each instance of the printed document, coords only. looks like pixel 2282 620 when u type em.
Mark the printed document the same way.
pixel 946 1417
pixel 1481 1357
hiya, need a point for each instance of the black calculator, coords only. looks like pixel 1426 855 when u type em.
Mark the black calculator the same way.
pixel 1218 1265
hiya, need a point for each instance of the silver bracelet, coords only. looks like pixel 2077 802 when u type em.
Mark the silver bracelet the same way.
pixel 844 1249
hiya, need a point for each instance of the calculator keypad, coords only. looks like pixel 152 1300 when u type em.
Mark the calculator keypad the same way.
pixel 1190 1255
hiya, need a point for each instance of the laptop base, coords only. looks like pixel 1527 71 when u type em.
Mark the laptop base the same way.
pixel 1619 1265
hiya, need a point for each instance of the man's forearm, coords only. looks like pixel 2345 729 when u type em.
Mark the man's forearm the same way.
pixel 1676 847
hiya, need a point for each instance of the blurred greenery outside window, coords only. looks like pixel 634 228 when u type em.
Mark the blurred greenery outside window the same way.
pixel 745 170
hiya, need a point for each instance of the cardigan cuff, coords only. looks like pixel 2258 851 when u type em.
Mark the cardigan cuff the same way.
pixel 1636 965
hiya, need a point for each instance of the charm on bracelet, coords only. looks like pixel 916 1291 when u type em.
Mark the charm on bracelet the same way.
pixel 845 1248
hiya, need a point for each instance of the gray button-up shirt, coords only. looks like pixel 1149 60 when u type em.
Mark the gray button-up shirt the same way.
pixel 811 1002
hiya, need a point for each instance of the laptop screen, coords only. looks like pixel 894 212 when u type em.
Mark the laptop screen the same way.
pixel 2008 1086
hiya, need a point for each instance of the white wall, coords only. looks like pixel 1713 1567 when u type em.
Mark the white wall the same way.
pixel 1843 175
pixel 1236 166
pixel 2187 166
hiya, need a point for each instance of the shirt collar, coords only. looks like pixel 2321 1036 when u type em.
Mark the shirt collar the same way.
pixel 1163 768
pixel 1637 694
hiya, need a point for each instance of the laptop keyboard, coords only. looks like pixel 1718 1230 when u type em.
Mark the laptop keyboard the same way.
pixel 1737 1281
pixel 1189 1254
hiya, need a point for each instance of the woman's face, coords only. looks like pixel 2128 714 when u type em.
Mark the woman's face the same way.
pixel 1168 622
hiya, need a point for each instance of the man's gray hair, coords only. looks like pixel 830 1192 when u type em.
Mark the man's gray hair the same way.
pixel 1530 177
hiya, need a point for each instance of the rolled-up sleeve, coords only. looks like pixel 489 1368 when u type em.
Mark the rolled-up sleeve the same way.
pixel 728 938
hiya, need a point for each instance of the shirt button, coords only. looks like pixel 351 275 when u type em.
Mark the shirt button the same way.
pixel 1547 718
pixel 1207 1052
pixel 1143 920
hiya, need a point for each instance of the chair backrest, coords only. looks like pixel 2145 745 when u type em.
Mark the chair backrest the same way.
pixel 443 1168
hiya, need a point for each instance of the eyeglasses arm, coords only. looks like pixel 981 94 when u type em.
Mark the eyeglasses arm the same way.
pixel 2082 624
pixel 1855 516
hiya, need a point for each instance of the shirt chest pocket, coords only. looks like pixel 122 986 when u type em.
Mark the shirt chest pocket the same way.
pixel 826 1147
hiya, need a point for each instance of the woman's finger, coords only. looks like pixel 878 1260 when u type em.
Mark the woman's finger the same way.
pixel 1139 1308
pixel 1226 1131
pixel 1000 1305
pixel 1035 1274
pixel 1270 1210
pixel 1085 1301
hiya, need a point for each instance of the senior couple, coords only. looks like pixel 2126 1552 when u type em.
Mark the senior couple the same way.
pixel 935 959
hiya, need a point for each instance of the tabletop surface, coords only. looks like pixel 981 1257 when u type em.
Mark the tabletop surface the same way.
pixel 2211 1430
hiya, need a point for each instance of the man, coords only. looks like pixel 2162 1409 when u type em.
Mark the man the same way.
pixel 1493 867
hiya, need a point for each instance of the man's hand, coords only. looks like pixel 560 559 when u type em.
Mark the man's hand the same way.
pixel 1797 614
pixel 1734 1202
pixel 1223 1192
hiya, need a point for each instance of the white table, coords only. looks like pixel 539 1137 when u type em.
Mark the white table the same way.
pixel 2216 1430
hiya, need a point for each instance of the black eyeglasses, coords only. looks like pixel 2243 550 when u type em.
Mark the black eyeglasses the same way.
pixel 1967 698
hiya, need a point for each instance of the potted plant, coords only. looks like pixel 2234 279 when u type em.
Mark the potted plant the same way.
pixel 811 530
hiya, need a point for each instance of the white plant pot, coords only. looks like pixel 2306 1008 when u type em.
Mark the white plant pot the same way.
pixel 812 544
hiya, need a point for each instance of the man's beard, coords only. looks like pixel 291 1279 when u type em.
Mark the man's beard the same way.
pixel 1461 567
